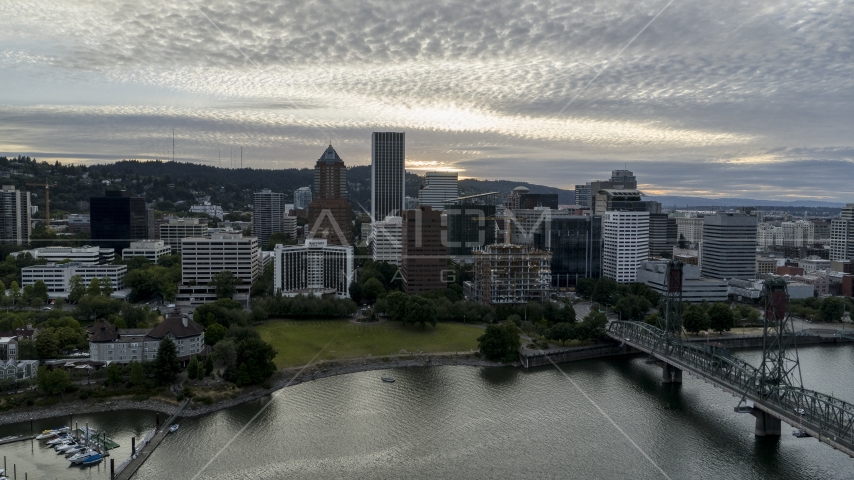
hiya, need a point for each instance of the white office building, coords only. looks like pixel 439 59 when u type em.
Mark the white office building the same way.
pixel 386 240
pixel 57 276
pixel 695 289
pixel 15 208
pixel 150 249
pixel 209 210
pixel 85 255
pixel 202 258
pixel 269 210
pixel 800 233
pixel 289 226
pixel 842 235
pixel 302 197
pixel 729 246
pixel 177 229
pixel 314 268
pixel 439 188
pixel 626 244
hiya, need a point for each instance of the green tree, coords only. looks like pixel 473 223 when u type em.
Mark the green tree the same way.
pixel 166 362
pixel 396 305
pixel 94 288
pixel 53 382
pixel 40 291
pixel 214 333
pixel 420 311
pixel 372 289
pixel 15 293
pixel 137 372
pixel 47 344
pixel 832 309
pixel 224 284
pixel 695 318
pixel 2 293
pixel 721 317
pixel 500 342
pixel 561 332
pixel 356 293
pixel 78 289
pixel 278 238
pixel 209 365
pixel 604 291
pixel 114 374
pixel 193 369
pixel 106 287
pixel 593 326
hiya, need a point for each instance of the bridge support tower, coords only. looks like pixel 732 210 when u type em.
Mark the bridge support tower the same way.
pixel 766 425
pixel 670 374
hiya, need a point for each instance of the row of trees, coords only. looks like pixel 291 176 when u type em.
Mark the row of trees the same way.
pixel 827 309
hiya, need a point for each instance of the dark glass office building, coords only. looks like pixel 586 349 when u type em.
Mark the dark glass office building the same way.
pixel 470 223
pixel 117 219
pixel 576 246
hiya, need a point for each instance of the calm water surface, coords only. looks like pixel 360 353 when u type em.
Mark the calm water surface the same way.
pixel 465 422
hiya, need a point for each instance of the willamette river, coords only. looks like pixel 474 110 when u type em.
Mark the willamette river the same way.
pixel 466 422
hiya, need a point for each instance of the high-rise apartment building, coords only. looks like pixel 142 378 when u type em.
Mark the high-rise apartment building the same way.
pixel 842 235
pixel 800 233
pixel 575 243
pixel 177 229
pixel 511 275
pixel 330 214
pixel 313 268
pixel 302 198
pixel 268 213
pixel 118 219
pixel 202 258
pixel 388 162
pixel 691 228
pixel 729 246
pixel 424 256
pixel 15 208
pixel 439 188
pixel 386 240
pixel 626 244
pixel 663 234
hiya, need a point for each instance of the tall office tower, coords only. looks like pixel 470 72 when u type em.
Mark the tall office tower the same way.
pixel 386 240
pixel 388 162
pixel 624 176
pixel 663 234
pixel 330 214
pixel 116 219
pixel 15 207
pixel 611 200
pixel 268 213
pixel 582 195
pixel 302 198
pixel 424 256
pixel 439 188
pixel 842 235
pixel 523 224
pixel 626 244
pixel 800 233
pixel 729 246
pixel 471 223
pixel 620 180
pixel 330 176
pixel 177 229
pixel 313 268
pixel 575 243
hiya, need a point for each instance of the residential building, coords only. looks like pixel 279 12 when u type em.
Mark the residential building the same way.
pixel 77 223
pixel 511 274
pixel 470 223
pixel 57 276
pixel 663 235
pixel 150 249
pixel 15 208
pixel 214 211
pixel 695 289
pixel 766 266
pixel 575 243
pixel 626 244
pixel 330 214
pixel 842 235
pixel 269 211
pixel 107 343
pixel 439 188
pixel 289 226
pixel 313 268
pixel 12 369
pixel 811 264
pixel 202 258
pixel 689 228
pixel 386 240
pixel 388 158
pixel 424 259
pixel 177 229
pixel 800 233
pixel 302 198
pixel 118 219
pixel 729 246
pixel 768 235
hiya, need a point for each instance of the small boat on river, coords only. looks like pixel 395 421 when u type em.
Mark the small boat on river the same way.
pixel 173 428
pixel 388 379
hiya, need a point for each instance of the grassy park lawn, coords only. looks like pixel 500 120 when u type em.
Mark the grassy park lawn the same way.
pixel 299 341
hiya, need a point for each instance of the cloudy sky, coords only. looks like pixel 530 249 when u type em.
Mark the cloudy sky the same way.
pixel 747 98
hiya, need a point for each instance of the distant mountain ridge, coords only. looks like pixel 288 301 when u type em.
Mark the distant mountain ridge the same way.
pixel 669 201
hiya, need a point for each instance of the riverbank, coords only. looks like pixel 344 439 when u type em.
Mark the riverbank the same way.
pixel 283 378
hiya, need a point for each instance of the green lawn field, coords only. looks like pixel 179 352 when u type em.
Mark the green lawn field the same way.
pixel 299 341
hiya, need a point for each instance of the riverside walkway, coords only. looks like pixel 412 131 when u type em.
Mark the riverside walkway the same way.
pixel 144 450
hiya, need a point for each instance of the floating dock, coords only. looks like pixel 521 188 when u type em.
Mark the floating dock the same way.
pixel 129 467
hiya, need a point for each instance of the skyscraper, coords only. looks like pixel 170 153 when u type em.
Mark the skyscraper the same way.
pixel 842 235
pixel 269 210
pixel 15 225
pixel 575 243
pixel 729 246
pixel 626 244
pixel 117 219
pixel 439 188
pixel 387 174
pixel 424 256
pixel 329 213
pixel 302 197
pixel 663 234
pixel 620 180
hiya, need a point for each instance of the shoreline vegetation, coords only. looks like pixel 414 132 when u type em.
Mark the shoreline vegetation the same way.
pixel 282 379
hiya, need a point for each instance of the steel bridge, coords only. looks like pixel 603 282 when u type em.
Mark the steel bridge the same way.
pixel 826 418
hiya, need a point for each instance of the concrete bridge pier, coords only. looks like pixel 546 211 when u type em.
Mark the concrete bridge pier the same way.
pixel 766 425
pixel 670 374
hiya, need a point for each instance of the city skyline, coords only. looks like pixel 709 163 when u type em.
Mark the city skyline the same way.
pixel 756 96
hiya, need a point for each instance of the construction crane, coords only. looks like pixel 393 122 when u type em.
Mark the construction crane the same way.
pixel 46 187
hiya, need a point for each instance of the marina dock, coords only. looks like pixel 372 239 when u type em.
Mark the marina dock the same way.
pixel 19 438
pixel 129 467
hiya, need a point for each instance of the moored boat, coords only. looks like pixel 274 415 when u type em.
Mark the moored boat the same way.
pixel 173 428
pixel 388 379
pixel 92 459
pixel 79 457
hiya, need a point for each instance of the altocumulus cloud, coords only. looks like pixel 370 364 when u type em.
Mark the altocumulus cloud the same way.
pixel 726 97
